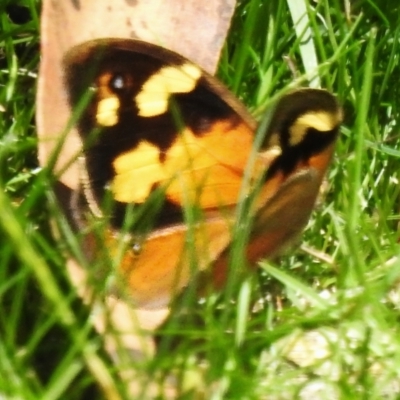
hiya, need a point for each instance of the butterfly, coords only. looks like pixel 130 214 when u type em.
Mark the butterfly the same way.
pixel 167 147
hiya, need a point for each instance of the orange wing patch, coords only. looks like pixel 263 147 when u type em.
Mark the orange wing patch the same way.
pixel 207 169
pixel 161 269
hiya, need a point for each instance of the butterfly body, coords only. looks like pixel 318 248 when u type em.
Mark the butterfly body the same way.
pixel 156 124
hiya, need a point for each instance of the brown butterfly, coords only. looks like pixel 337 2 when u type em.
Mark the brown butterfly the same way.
pixel 168 155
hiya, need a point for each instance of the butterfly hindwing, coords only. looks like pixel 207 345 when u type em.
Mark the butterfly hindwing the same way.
pixel 302 132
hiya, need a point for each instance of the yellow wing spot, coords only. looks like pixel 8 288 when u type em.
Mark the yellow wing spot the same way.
pixel 321 121
pixel 107 111
pixel 136 172
pixel 155 93
pixel 182 153
pixel 191 70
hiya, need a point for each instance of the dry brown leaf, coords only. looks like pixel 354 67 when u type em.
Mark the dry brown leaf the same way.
pixel 193 28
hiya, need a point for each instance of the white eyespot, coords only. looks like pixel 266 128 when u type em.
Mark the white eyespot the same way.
pixel 117 82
